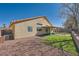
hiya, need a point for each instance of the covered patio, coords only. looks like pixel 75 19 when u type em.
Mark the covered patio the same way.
pixel 44 30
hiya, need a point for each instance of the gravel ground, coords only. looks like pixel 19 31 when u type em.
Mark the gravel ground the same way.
pixel 28 47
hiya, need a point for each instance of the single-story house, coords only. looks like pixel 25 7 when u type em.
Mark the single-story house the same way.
pixel 30 27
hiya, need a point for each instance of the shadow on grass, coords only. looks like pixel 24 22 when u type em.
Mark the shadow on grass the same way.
pixel 61 45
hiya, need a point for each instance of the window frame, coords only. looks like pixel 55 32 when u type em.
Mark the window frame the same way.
pixel 29 29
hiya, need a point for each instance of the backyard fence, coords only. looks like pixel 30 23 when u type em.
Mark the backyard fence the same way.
pixel 75 40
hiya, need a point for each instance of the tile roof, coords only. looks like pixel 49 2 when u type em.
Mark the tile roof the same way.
pixel 28 19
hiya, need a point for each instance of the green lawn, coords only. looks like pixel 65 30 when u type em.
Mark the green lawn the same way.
pixel 61 41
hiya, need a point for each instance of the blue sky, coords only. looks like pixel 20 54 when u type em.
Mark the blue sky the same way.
pixel 9 12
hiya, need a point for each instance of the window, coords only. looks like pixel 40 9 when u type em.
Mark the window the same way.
pixel 39 27
pixel 29 28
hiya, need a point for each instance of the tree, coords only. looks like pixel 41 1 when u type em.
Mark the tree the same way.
pixel 70 23
pixel 72 10
pixel 12 21
pixel 4 25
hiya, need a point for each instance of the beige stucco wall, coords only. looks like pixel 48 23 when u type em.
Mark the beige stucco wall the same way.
pixel 44 22
pixel 21 29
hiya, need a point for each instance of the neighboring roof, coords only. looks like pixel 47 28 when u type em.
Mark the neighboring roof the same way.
pixel 28 19
pixel 1 28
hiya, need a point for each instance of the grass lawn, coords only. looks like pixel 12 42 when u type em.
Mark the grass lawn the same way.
pixel 61 41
